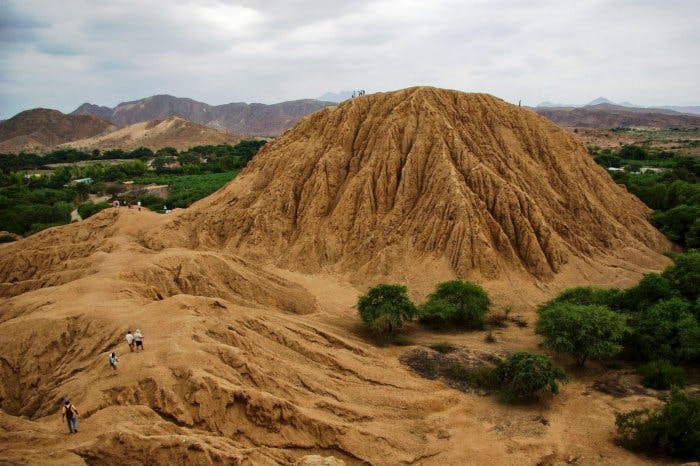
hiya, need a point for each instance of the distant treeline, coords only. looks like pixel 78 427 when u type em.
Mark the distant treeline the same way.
pixel 673 194
pixel 30 203
pixel 223 154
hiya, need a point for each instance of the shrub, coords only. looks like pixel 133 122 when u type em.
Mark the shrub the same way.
pixel 456 303
pixel 526 376
pixel 661 375
pixel 672 430
pixel 582 331
pixel 667 330
pixel 385 308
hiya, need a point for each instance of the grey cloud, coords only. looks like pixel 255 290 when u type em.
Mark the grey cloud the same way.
pixel 64 53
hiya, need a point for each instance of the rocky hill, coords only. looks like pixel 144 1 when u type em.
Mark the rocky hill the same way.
pixel 235 118
pixel 252 349
pixel 38 129
pixel 605 115
pixel 155 134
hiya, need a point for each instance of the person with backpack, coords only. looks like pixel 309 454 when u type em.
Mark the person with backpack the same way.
pixel 113 360
pixel 138 339
pixel 70 412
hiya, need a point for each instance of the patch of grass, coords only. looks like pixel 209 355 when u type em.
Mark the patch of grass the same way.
pixel 490 338
pixel 7 238
pixel 402 340
pixel 442 347
pixel 481 377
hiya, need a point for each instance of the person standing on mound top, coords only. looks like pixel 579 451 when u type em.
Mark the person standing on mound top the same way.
pixel 130 340
pixel 70 412
pixel 138 339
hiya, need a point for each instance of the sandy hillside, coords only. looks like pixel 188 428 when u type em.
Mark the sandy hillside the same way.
pixel 172 131
pixel 253 353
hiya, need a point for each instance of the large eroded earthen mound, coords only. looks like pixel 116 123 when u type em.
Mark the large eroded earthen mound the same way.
pixel 383 183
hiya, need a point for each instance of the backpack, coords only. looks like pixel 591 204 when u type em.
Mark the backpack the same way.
pixel 69 412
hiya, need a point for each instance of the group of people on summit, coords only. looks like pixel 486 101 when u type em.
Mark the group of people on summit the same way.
pixel 69 411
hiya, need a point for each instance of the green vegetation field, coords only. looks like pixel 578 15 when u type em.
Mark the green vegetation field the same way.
pixel 38 192
pixel 187 189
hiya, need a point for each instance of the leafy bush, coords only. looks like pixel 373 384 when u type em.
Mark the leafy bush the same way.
pixel 582 331
pixel 385 308
pixel 661 375
pixel 456 303
pixel 667 330
pixel 672 430
pixel 526 376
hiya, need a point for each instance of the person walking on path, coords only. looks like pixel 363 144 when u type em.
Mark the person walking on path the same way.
pixel 113 360
pixel 70 412
pixel 138 339
pixel 130 340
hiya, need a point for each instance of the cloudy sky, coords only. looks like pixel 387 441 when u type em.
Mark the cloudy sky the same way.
pixel 59 54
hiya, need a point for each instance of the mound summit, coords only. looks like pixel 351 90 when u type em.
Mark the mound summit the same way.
pixel 387 183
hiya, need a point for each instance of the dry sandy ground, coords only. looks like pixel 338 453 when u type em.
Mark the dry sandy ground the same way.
pixel 248 378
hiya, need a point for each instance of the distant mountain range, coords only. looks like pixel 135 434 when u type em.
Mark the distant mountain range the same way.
pixel 602 100
pixel 603 113
pixel 236 118
pixel 333 97
pixel 39 129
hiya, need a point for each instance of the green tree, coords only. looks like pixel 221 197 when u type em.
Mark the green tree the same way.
pixel 583 331
pixel 524 376
pixel 456 302
pixel 632 152
pixel 385 308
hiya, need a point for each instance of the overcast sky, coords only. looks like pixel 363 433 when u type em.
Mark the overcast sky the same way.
pixel 59 54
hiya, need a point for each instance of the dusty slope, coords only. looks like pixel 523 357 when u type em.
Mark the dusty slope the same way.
pixel 39 129
pixel 155 134
pixel 249 364
pixel 241 367
pixel 384 184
